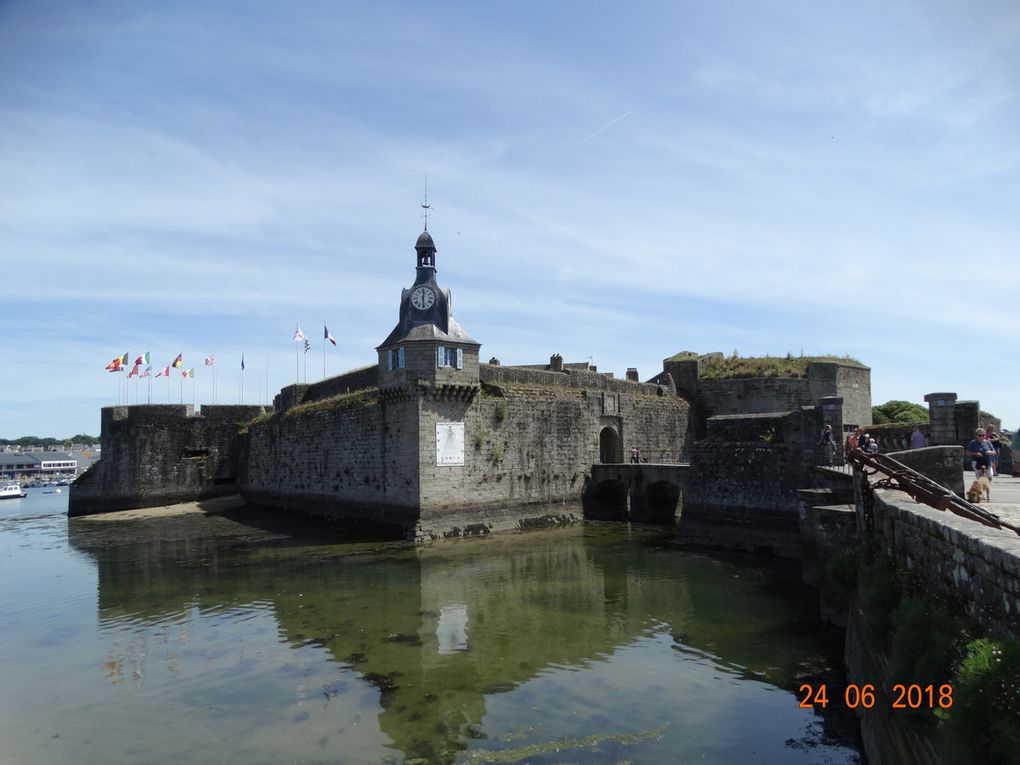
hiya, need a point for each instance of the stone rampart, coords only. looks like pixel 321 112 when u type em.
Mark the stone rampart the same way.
pixel 528 451
pixel 160 454
pixel 745 476
pixel 352 457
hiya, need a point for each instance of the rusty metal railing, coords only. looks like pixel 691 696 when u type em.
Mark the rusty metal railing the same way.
pixel 922 489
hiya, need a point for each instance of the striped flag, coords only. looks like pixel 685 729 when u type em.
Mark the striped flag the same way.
pixel 164 373
pixel 327 335
pixel 188 372
pixel 142 360
pixel 117 363
pixel 178 362
pixel 146 372
pixel 134 371
pixel 210 360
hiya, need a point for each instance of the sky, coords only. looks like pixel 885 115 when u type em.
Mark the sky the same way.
pixel 613 182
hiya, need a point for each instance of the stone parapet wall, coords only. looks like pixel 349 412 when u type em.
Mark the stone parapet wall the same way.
pixel 961 560
pixel 939 463
pixel 304 393
pixel 573 378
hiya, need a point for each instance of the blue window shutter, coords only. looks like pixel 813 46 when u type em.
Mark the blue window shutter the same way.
pixel 389 359
pixel 400 357
pixel 460 358
pixel 441 356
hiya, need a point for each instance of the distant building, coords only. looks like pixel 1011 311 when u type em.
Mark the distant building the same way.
pixel 38 464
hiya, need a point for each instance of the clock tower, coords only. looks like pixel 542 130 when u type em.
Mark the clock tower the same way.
pixel 428 349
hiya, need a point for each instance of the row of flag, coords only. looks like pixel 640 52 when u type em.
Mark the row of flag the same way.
pixel 119 363
pixel 299 336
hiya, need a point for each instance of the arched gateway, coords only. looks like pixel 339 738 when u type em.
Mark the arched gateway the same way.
pixel 610 447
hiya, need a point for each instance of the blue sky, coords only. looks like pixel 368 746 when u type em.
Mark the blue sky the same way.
pixel 608 180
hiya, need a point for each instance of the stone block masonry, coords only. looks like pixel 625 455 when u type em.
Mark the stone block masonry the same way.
pixel 351 457
pixel 160 454
pixel 972 565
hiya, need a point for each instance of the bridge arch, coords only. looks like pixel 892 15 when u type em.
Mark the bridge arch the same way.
pixel 662 504
pixel 610 446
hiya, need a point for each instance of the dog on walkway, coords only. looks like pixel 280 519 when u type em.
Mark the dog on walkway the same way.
pixel 982 487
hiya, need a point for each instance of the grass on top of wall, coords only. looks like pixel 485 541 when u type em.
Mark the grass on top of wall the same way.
pixel 716 366
pixel 340 402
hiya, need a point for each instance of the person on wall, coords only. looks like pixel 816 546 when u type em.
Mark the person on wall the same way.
pixel 828 444
pixel 993 439
pixel 917 439
pixel 980 451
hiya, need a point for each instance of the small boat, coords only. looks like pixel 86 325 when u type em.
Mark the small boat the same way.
pixel 12 490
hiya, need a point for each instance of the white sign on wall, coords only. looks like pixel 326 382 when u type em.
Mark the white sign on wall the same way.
pixel 449 443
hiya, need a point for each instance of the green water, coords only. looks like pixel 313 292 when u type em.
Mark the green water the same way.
pixel 241 640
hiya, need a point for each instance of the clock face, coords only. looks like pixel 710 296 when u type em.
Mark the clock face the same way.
pixel 423 298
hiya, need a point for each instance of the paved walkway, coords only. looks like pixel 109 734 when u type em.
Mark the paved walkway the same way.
pixel 1005 496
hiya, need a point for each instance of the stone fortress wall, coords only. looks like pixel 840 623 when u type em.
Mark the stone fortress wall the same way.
pixel 848 381
pixel 530 440
pixel 158 454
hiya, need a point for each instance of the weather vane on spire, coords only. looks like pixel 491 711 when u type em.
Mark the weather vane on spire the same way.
pixel 425 205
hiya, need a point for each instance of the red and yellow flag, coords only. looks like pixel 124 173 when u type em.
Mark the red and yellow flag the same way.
pixel 179 361
pixel 117 363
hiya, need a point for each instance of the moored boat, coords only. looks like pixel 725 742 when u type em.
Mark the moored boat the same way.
pixel 11 490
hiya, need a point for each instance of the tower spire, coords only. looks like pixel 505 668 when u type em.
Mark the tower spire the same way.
pixel 425 205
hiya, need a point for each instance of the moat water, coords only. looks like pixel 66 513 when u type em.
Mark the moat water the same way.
pixel 234 638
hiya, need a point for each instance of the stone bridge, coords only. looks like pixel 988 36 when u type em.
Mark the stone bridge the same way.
pixel 644 493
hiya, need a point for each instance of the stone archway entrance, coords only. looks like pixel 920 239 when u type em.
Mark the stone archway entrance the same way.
pixel 610 446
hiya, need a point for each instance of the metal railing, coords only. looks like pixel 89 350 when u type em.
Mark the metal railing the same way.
pixel 921 488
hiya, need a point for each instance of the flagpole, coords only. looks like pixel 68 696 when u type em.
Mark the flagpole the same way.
pixel 323 350
pixel 267 378
pixel 182 387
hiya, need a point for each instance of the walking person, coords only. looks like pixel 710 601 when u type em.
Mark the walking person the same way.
pixel 917 439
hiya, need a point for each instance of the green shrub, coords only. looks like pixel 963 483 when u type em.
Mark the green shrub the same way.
pixel 878 591
pixel 500 411
pixel 926 642
pixel 843 567
pixel 983 725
